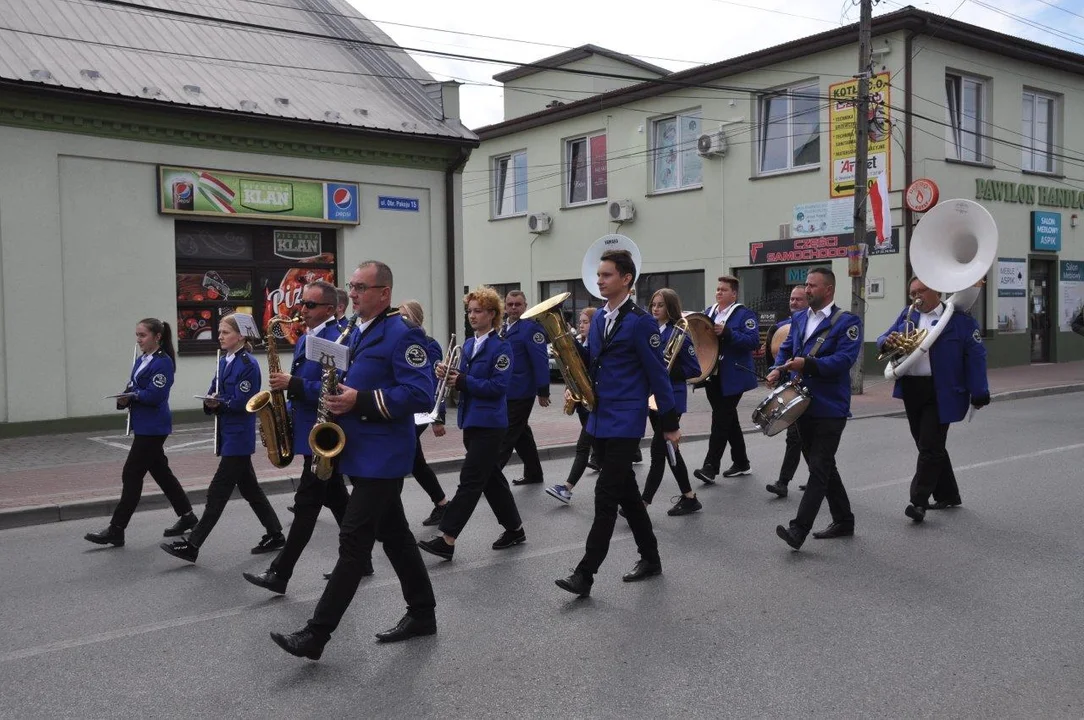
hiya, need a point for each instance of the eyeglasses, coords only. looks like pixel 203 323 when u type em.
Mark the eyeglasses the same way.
pixel 360 288
pixel 310 304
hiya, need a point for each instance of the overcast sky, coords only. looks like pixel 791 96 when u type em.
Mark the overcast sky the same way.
pixel 697 32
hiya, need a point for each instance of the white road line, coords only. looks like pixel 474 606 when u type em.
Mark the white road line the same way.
pixel 976 466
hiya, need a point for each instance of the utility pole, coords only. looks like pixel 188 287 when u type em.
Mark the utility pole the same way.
pixel 858 261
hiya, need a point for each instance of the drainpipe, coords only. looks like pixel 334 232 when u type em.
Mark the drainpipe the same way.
pixel 908 157
pixel 449 238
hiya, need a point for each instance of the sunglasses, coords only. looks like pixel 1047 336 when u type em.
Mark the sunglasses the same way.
pixel 361 288
pixel 310 304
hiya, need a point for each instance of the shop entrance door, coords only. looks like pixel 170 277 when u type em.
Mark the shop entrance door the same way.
pixel 1040 275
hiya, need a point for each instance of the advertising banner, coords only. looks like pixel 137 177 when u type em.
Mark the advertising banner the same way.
pixel 821 248
pixel 1071 283
pixel 843 133
pixel 1012 292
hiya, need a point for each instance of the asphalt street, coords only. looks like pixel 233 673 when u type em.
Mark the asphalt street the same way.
pixel 975 613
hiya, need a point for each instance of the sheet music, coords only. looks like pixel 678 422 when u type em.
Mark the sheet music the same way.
pixel 320 350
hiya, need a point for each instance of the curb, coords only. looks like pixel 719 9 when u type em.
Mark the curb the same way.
pixel 101 507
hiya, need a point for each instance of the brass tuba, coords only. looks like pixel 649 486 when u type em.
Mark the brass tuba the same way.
pixel 548 314
pixel 276 426
pixel 327 439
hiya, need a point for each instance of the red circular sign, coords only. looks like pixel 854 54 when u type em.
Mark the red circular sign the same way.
pixel 921 195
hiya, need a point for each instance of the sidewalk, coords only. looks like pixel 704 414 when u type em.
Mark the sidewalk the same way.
pixel 77 475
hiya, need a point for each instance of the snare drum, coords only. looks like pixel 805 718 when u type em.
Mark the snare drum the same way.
pixel 781 408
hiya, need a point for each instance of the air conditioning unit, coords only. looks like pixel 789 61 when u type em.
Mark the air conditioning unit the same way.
pixel 711 144
pixel 621 211
pixel 538 223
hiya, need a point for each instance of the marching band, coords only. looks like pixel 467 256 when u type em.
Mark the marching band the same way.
pixel 626 368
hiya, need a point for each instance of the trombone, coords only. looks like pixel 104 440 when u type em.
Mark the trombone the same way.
pixel 451 360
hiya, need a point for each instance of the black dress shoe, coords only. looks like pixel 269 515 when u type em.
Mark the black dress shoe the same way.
pixel 835 530
pixel 642 570
pixel 269 580
pixel 184 523
pixel 303 643
pixel 436 516
pixel 269 543
pixel 509 538
pixel 181 549
pixel 437 547
pixel 788 537
pixel 777 488
pixel 525 481
pixel 407 628
pixel 112 535
pixel 706 474
pixel 945 505
pixel 801 488
pixel 915 512
pixel 577 583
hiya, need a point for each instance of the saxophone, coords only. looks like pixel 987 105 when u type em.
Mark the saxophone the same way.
pixel 326 439
pixel 276 426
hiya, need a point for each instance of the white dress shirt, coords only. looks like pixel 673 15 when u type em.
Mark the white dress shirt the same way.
pixel 921 366
pixel 816 317
pixel 611 315
pixel 143 363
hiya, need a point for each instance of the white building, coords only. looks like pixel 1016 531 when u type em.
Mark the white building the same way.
pixel 159 162
pixel 745 167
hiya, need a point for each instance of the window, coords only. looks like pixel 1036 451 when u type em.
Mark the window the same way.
pixel 575 304
pixel 790 129
pixel 585 169
pixel 688 285
pixel 1038 132
pixel 255 269
pixel 510 185
pixel 677 165
pixel 965 100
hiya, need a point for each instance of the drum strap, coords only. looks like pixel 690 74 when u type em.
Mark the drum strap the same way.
pixel 822 333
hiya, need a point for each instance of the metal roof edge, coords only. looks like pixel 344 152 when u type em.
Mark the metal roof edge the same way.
pixel 572 55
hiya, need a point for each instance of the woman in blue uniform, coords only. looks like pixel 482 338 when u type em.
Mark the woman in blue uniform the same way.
pixel 238 379
pixel 666 309
pixel 563 491
pixel 482 381
pixel 152 422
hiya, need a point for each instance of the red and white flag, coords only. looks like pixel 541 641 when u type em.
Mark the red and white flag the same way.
pixel 882 213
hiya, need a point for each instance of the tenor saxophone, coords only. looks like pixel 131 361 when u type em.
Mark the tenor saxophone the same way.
pixel 276 426
pixel 327 439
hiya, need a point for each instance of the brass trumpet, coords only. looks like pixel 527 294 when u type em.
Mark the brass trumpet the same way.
pixel 451 362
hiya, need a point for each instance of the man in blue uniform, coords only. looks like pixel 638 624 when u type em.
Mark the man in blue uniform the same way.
pixel 936 390
pixel 624 358
pixel 530 379
pixel 739 335
pixel 823 344
pixel 792 456
pixel 302 387
pixel 389 379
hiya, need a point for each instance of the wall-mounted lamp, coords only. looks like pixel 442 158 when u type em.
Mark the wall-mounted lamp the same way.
pixel 1072 220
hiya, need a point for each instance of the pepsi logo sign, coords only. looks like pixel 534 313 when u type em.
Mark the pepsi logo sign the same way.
pixel 342 198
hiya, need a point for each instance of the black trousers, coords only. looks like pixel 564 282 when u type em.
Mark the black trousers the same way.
pixel 312 495
pixel 375 512
pixel 520 438
pixel 479 476
pixel 820 440
pixel 146 455
pixel 423 473
pixel 725 428
pixel 234 471
pixel 659 463
pixel 933 471
pixel 616 486
pixel 792 455
pixel 584 446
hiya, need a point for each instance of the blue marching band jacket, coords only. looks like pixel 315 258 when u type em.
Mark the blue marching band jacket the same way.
pixel 740 338
pixel 483 383
pixel 625 369
pixel 828 375
pixel 957 362
pixel 304 389
pixel 530 360
pixel 392 372
pixel 685 366
pixel 238 381
pixel 150 407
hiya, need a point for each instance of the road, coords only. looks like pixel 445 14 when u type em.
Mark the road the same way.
pixel 975 613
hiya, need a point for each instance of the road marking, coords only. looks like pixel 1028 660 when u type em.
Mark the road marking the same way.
pixel 976 466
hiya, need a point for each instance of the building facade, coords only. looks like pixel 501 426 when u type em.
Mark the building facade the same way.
pixel 746 167
pixel 139 184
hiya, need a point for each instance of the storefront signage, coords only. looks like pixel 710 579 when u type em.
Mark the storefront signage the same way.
pixel 822 247
pixel 842 132
pixel 921 195
pixel 215 193
pixel 298 244
pixel 398 203
pixel 1071 285
pixel 1010 192
pixel 1045 230
pixel 1012 301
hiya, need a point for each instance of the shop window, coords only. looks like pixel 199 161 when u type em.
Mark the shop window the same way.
pixel 688 285
pixel 676 164
pixel 585 169
pixel 256 269
pixel 789 128
pixel 575 304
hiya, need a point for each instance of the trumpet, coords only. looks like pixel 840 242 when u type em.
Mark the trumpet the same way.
pixel 451 360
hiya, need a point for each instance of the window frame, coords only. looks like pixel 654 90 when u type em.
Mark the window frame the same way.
pixel 589 166
pixel 1029 154
pixel 809 88
pixel 501 192
pixel 677 117
pixel 954 118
